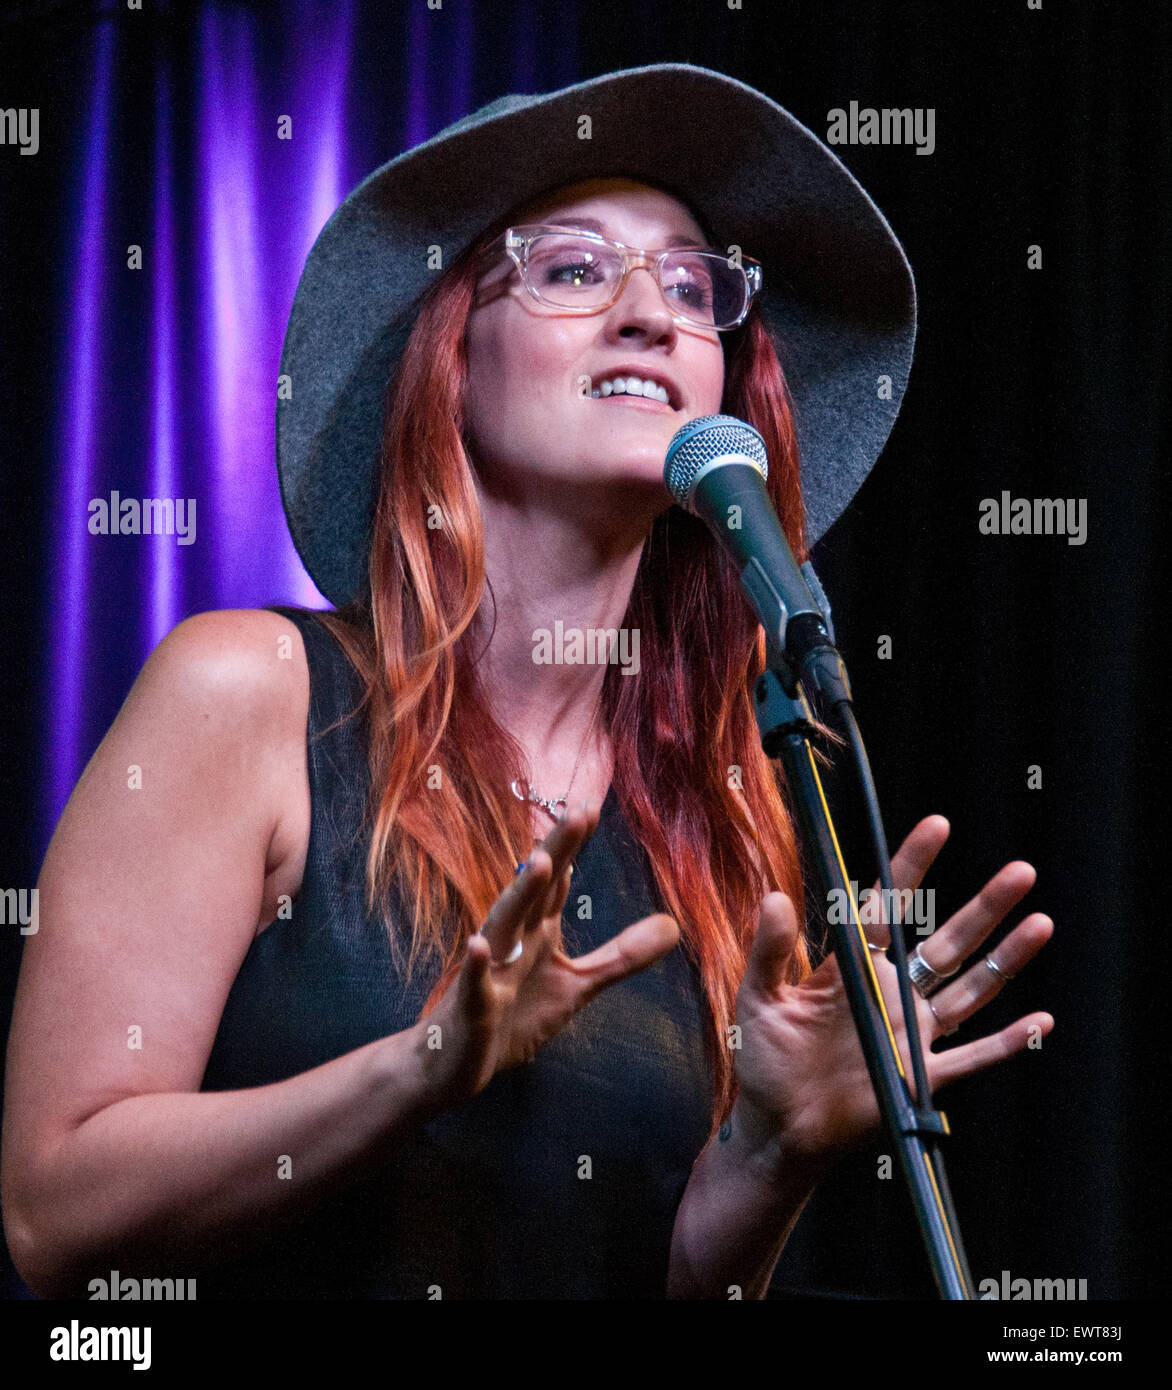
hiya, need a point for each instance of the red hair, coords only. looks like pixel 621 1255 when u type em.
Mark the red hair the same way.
pixel 444 822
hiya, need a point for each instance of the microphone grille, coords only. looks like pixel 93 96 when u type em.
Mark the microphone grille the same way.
pixel 697 443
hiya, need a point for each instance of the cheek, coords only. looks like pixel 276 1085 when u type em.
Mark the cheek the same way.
pixel 522 372
pixel 487 382
pixel 716 384
pixel 503 402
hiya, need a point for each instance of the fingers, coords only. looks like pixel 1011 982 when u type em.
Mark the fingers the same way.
pixel 963 997
pixel 916 855
pixel 911 862
pixel 947 949
pixel 967 1060
pixel 518 908
pixel 540 889
pixel 634 949
pixel 562 843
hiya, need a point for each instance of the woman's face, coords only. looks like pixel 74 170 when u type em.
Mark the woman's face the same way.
pixel 530 418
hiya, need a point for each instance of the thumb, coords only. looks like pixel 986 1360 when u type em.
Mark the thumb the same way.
pixel 632 950
pixel 773 946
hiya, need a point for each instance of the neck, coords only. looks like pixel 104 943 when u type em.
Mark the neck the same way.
pixel 544 567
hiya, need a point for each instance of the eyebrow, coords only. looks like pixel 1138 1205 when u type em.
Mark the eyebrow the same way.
pixel 591 224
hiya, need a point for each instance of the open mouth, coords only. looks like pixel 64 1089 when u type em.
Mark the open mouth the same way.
pixel 635 391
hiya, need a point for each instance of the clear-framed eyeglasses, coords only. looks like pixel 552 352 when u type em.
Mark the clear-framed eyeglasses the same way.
pixel 583 273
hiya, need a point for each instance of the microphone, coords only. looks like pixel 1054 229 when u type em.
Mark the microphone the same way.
pixel 716 468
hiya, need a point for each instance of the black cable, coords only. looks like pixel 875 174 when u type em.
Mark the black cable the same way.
pixel 897 950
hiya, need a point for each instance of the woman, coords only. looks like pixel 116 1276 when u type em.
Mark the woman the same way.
pixel 355 1056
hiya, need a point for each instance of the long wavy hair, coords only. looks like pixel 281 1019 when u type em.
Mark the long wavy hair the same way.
pixel 702 798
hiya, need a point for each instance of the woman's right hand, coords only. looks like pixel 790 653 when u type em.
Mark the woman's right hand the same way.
pixel 498 1012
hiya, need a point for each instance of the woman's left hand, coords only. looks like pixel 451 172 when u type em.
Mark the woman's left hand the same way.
pixel 803 1086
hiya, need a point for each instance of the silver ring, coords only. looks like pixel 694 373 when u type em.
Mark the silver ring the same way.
pixel 996 969
pixel 948 1032
pixel 925 980
pixel 514 954
pixel 872 947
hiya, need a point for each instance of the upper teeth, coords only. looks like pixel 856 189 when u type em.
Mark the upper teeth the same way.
pixel 631 386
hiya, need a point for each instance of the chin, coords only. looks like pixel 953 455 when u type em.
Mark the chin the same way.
pixel 645 473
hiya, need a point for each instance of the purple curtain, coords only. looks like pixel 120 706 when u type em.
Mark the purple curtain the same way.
pixel 220 160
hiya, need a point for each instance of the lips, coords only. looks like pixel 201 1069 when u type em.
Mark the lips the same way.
pixel 637 403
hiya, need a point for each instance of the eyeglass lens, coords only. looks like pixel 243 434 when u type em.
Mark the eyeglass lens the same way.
pixel 575 272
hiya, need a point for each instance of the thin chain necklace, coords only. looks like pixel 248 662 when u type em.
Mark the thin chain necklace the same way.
pixel 551 805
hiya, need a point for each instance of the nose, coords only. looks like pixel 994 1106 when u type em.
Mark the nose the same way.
pixel 641 306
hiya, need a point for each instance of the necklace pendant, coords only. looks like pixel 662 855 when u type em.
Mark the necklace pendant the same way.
pixel 534 799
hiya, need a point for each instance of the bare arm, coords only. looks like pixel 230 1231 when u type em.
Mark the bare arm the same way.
pixel 149 899
pixel 737 1212
pixel 160 1185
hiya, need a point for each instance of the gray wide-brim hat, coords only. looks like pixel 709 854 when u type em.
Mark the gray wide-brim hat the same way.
pixel 837 298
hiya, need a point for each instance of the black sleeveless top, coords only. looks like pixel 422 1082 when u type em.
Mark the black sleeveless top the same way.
pixel 562 1178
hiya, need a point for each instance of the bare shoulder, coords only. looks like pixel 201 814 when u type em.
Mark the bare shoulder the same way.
pixel 239 673
pixel 247 661
pixel 250 666
pixel 235 684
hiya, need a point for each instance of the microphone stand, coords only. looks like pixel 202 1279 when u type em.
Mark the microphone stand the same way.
pixel 785 722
